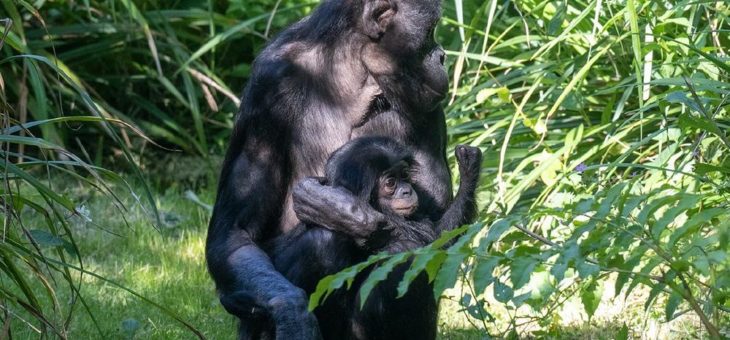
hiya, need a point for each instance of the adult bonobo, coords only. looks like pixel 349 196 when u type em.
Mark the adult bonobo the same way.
pixel 352 68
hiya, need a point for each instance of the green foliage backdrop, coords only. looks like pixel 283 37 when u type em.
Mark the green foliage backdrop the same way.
pixel 604 126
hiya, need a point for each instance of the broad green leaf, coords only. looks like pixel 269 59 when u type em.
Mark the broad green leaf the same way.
pixel 558 270
pixel 502 292
pixel 587 269
pixel 448 274
pixel 482 273
pixel 590 296
pixel 520 271
pixel 494 233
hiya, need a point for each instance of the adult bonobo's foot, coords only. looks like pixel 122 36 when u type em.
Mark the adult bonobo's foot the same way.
pixel 243 306
pixel 288 313
pixel 292 318
pixel 469 159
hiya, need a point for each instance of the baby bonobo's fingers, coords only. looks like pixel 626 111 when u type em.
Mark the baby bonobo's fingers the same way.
pixel 469 158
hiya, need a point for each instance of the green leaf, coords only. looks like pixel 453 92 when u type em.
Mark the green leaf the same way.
pixel 608 202
pixel 632 203
pixel 652 207
pixel 623 333
pixel 520 271
pixel 495 232
pixel 320 291
pixel 558 270
pixel 590 296
pixel 38 185
pixel 380 274
pixel 333 282
pixel 685 203
pixel 448 274
pixel 653 293
pixel 502 292
pixel 420 262
pixel 704 169
pixel 434 265
pixel 587 269
pixel 46 239
pixel 680 97
pixel 672 304
pixel 482 273
pixel 695 222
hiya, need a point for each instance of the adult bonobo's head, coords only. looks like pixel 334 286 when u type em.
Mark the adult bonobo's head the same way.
pixel 377 169
pixel 403 27
pixel 402 54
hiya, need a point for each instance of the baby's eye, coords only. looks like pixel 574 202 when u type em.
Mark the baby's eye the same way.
pixel 390 182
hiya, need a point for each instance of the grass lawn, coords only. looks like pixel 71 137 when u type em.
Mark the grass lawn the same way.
pixel 167 265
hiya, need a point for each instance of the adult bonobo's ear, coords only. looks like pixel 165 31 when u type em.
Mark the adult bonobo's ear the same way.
pixel 377 16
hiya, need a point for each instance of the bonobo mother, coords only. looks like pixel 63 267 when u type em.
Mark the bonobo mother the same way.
pixel 353 68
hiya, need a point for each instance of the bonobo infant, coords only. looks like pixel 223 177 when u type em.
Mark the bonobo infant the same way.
pixel 378 171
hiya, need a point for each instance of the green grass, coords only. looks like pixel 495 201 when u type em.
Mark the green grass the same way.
pixel 167 265
pixel 604 127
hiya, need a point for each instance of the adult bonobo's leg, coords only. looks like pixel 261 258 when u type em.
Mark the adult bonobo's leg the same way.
pixel 251 194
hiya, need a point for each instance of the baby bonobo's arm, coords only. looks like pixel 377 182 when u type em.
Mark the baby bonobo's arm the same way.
pixel 463 209
pixel 408 235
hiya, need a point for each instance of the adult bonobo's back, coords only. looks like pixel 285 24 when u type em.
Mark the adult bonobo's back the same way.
pixel 353 68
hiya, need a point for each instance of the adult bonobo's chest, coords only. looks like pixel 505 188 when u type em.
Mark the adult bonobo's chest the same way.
pixel 316 140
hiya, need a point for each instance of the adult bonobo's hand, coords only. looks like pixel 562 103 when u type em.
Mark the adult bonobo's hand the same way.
pixel 339 210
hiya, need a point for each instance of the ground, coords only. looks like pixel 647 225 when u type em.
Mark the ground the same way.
pixel 166 264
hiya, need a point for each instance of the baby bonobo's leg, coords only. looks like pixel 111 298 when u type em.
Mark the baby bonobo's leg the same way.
pixel 308 254
pixel 464 208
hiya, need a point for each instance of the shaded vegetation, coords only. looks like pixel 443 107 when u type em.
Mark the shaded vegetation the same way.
pixel 604 126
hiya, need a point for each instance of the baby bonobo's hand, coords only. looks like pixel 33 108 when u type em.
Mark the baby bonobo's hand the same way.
pixel 469 159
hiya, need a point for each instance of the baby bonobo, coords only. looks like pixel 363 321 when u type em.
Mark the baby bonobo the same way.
pixel 378 171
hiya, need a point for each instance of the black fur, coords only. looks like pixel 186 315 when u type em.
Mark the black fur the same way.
pixel 320 83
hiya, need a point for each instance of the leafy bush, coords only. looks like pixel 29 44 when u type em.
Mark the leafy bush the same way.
pixel 607 161
pixel 39 254
pixel 604 127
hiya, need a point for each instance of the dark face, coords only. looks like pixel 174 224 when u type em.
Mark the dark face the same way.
pixel 410 29
pixel 403 45
pixel 395 193
pixel 434 81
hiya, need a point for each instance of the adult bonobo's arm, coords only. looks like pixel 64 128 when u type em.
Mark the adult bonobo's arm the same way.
pixel 464 207
pixel 252 189
pixel 339 210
